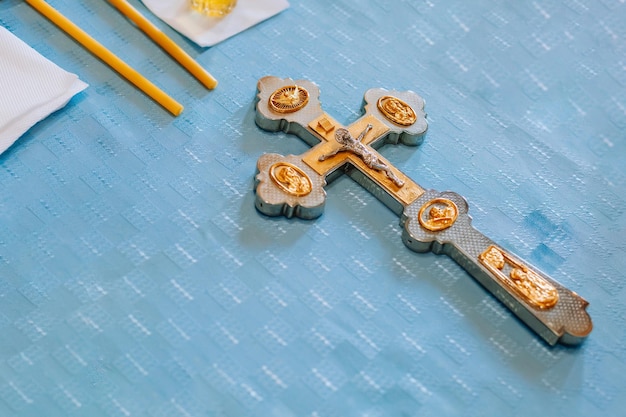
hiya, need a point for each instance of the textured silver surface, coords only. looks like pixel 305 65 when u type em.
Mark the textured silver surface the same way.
pixel 566 322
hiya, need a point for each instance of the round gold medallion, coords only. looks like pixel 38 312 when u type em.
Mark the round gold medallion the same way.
pixel 396 110
pixel 291 179
pixel 288 99
pixel 438 214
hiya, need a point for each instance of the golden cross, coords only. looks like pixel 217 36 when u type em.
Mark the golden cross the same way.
pixel 293 185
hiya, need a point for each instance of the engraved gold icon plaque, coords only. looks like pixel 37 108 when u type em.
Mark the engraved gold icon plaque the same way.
pixel 529 285
pixel 291 179
pixel 396 110
pixel 438 214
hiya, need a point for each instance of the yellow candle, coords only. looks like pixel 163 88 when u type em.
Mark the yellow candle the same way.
pixel 166 43
pixel 107 56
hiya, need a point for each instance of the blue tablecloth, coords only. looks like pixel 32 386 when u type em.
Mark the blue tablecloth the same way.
pixel 137 278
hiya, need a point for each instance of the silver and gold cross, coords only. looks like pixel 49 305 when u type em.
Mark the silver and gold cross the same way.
pixel 293 185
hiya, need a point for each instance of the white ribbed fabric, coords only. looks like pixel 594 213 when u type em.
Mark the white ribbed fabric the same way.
pixel 209 31
pixel 31 87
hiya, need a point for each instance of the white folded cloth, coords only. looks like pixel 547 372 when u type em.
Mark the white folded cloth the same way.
pixel 31 87
pixel 206 31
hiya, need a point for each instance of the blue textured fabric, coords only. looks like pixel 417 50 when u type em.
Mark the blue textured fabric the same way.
pixel 137 278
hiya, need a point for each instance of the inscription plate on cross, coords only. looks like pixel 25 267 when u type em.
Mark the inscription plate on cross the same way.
pixel 293 185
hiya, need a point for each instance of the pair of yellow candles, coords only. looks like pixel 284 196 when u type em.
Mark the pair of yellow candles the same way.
pixel 120 66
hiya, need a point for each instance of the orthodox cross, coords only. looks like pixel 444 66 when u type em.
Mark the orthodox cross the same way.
pixel 293 185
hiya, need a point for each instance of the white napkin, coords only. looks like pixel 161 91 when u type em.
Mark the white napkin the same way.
pixel 31 87
pixel 207 31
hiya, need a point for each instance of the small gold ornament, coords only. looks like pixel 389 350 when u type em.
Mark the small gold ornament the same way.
pixel 291 179
pixel 396 110
pixel 288 99
pixel 438 214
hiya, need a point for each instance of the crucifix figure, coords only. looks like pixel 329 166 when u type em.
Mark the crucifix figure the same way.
pixel 293 185
pixel 350 144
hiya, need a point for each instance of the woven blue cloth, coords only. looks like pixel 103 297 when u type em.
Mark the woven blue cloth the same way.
pixel 137 278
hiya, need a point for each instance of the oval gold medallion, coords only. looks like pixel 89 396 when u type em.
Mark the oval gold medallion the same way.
pixel 288 99
pixel 291 179
pixel 438 214
pixel 396 110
